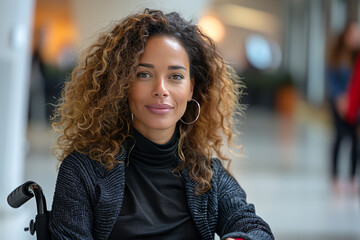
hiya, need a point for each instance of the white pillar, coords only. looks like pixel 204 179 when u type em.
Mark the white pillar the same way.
pixel 316 54
pixel 16 18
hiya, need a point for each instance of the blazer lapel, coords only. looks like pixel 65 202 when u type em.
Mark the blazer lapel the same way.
pixel 111 194
pixel 197 206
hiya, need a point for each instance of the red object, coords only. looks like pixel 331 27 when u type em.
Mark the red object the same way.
pixel 354 94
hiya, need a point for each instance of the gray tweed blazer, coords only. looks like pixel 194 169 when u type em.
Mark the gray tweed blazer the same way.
pixel 87 202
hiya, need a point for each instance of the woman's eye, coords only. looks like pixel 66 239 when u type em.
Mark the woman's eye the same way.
pixel 177 77
pixel 143 75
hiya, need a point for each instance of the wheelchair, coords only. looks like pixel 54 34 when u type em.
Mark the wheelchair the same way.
pixel 21 195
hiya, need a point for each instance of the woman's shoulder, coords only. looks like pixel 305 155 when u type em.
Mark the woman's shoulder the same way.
pixel 81 163
pixel 217 165
pixel 76 159
pixel 335 70
pixel 220 174
pixel 218 169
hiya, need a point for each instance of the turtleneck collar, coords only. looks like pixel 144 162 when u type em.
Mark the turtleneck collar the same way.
pixel 146 153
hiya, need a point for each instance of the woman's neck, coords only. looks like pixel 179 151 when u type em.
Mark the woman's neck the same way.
pixel 159 136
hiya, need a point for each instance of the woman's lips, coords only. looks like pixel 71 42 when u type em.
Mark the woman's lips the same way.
pixel 159 108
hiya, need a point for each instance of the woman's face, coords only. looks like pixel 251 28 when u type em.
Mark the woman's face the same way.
pixel 162 87
pixel 352 39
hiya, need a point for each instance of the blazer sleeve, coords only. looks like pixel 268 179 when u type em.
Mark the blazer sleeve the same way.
pixel 237 218
pixel 71 216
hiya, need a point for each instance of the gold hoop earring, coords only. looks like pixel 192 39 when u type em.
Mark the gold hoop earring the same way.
pixel 198 114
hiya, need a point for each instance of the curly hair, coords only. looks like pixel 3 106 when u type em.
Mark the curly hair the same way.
pixel 93 114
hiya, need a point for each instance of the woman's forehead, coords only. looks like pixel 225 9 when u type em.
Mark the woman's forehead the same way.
pixel 164 50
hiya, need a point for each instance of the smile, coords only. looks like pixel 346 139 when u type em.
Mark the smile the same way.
pixel 159 108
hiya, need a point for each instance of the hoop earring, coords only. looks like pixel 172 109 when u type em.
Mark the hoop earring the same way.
pixel 198 105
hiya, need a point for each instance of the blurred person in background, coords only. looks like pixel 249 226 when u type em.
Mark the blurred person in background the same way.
pixel 353 111
pixel 136 152
pixel 341 63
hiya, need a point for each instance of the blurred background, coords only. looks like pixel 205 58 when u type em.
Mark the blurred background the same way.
pixel 280 48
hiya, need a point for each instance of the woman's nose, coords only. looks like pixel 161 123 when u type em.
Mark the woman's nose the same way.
pixel 160 89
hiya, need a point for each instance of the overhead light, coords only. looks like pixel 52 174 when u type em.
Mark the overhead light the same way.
pixel 248 18
pixel 212 27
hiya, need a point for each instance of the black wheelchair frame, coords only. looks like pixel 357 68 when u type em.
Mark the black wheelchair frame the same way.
pixel 21 195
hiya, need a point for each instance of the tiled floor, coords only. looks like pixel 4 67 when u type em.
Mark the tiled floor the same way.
pixel 285 174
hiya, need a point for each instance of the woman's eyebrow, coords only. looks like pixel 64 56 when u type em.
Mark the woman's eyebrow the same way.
pixel 148 65
pixel 174 67
pixel 171 67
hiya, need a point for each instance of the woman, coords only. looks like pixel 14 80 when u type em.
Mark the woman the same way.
pixel 342 60
pixel 141 117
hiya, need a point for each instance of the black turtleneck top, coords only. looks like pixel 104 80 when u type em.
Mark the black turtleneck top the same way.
pixel 154 205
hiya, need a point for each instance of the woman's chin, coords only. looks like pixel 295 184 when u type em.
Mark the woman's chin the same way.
pixel 156 125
